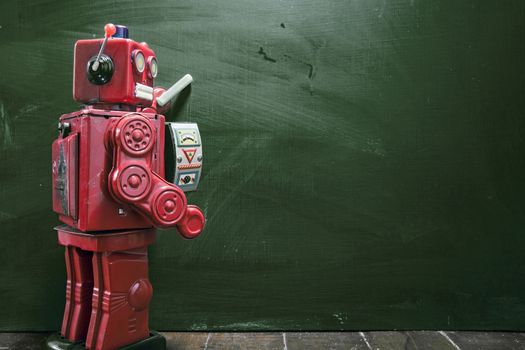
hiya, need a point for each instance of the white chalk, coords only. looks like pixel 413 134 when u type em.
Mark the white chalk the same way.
pixel 174 90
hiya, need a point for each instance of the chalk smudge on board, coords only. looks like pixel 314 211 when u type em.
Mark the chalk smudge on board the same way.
pixel 4 216
pixel 341 318
pixel 5 128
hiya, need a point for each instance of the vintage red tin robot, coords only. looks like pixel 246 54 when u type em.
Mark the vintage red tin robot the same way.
pixel 112 188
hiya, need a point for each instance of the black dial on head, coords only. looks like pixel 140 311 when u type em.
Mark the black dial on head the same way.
pixel 103 73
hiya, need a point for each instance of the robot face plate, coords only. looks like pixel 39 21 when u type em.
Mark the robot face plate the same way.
pixel 125 76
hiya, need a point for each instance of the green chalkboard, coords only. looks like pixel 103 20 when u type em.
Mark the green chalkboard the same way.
pixel 364 161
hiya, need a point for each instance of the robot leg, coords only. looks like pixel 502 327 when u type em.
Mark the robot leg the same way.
pixel 78 293
pixel 121 296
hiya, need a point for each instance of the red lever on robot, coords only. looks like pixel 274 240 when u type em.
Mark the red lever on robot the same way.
pixel 109 30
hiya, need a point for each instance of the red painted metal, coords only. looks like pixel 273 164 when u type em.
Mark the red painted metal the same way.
pixel 106 242
pixel 110 191
pixel 96 207
pixel 121 88
pixel 109 290
pixel 65 175
pixel 131 180
pixel 192 223
pixel 78 293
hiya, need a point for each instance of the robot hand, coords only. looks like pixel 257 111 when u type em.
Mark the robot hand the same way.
pixel 163 98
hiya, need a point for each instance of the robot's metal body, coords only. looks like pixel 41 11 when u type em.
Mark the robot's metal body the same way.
pixel 110 190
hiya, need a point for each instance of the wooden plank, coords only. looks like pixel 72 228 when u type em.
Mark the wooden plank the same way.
pixel 487 340
pixel 387 340
pixel 428 340
pixel 328 340
pixel 22 341
pixel 186 340
pixel 245 341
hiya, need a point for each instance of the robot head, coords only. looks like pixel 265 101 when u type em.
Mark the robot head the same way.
pixel 114 70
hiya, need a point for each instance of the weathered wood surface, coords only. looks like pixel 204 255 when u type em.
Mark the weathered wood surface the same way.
pixel 421 340
pixel 487 340
pixel 364 161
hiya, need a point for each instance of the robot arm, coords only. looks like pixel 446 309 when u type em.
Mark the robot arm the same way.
pixel 162 98
pixel 132 180
pixel 174 90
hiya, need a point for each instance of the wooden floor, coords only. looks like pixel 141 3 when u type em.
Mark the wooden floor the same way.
pixel 327 340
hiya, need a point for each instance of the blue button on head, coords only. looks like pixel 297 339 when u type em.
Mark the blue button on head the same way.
pixel 122 32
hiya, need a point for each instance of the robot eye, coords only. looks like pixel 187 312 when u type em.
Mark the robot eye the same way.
pixel 138 59
pixel 153 67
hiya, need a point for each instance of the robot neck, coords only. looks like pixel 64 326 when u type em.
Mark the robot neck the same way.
pixel 114 107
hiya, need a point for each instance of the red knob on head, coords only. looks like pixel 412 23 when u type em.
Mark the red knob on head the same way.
pixel 110 30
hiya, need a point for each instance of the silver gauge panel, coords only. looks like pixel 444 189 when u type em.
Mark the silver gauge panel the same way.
pixel 184 169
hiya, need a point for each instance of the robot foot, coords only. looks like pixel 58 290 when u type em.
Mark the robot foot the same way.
pixel 154 342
